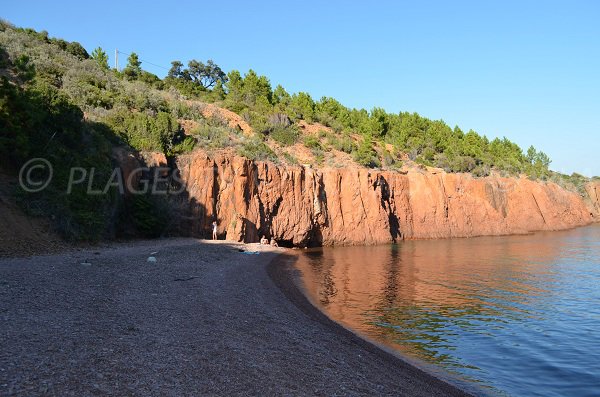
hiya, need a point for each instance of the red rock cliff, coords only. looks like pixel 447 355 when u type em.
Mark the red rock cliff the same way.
pixel 304 206
pixel 592 200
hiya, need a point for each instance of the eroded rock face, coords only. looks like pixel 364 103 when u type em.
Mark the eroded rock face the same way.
pixel 304 206
pixel 593 199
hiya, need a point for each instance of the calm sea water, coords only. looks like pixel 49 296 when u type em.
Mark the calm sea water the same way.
pixel 518 315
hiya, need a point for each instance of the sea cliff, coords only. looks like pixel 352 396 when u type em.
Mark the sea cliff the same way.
pixel 305 206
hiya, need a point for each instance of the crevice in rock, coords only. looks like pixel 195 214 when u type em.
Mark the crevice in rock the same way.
pixel 446 199
pixel 320 199
pixel 216 190
pixel 362 205
pixel 262 219
pixel 394 223
pixel 538 208
pixel 339 190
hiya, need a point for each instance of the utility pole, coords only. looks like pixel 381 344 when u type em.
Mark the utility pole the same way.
pixel 117 59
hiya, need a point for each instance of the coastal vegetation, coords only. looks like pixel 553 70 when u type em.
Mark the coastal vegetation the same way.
pixel 59 102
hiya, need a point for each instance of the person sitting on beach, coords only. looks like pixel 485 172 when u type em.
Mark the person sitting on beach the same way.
pixel 264 241
pixel 274 243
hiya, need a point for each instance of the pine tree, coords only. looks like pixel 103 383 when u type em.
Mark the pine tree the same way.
pixel 100 56
pixel 134 67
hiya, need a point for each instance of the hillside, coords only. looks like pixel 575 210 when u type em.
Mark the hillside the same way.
pixel 148 114
pixel 60 103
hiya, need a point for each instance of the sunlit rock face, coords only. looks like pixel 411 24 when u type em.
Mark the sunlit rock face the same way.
pixel 303 206
pixel 592 200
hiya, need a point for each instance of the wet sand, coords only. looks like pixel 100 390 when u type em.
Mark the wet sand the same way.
pixel 204 319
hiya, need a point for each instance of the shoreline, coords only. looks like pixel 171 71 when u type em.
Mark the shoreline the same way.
pixel 391 297
pixel 286 277
pixel 203 319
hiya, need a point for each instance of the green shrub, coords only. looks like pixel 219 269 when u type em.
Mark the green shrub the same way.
pixel 290 159
pixel 319 155
pixel 389 160
pixel 481 170
pixel 574 182
pixel 185 146
pixel 89 86
pixel 214 133
pixel 256 149
pixel 441 161
pixel 285 135
pixel 213 137
pixel 136 95
pixel 423 161
pixel 463 164
pixel 312 142
pixel 343 144
pixel 365 154
pixel 151 79
pixel 182 110
pixel 143 131
pixel 41 121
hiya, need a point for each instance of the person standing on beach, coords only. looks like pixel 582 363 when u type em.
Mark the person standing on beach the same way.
pixel 214 230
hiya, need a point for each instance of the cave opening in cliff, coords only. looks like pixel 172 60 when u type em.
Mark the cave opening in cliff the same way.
pixel 286 243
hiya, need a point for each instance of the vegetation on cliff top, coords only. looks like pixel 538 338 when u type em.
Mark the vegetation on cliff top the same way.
pixel 145 111
pixel 59 102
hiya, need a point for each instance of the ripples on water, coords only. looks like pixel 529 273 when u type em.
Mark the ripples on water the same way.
pixel 518 315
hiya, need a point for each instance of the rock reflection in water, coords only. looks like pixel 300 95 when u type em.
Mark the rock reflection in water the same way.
pixel 420 295
pixel 519 315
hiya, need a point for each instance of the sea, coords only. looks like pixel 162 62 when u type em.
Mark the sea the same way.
pixel 508 315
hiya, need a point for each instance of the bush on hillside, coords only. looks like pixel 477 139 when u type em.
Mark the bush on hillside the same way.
pixel 285 135
pixel 255 149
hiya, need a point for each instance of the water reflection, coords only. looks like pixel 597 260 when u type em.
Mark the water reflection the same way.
pixel 460 303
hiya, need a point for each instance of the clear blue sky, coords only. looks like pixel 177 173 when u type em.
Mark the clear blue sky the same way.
pixel 527 70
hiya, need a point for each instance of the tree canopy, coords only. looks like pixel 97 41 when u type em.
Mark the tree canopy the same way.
pixel 134 67
pixel 275 114
pixel 205 75
pixel 101 57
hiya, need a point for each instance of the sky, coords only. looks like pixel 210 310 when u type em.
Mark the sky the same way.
pixel 527 70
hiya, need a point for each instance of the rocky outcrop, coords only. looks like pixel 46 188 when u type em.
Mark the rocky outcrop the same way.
pixel 592 198
pixel 304 206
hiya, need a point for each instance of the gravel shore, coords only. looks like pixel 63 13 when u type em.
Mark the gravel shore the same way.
pixel 204 319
